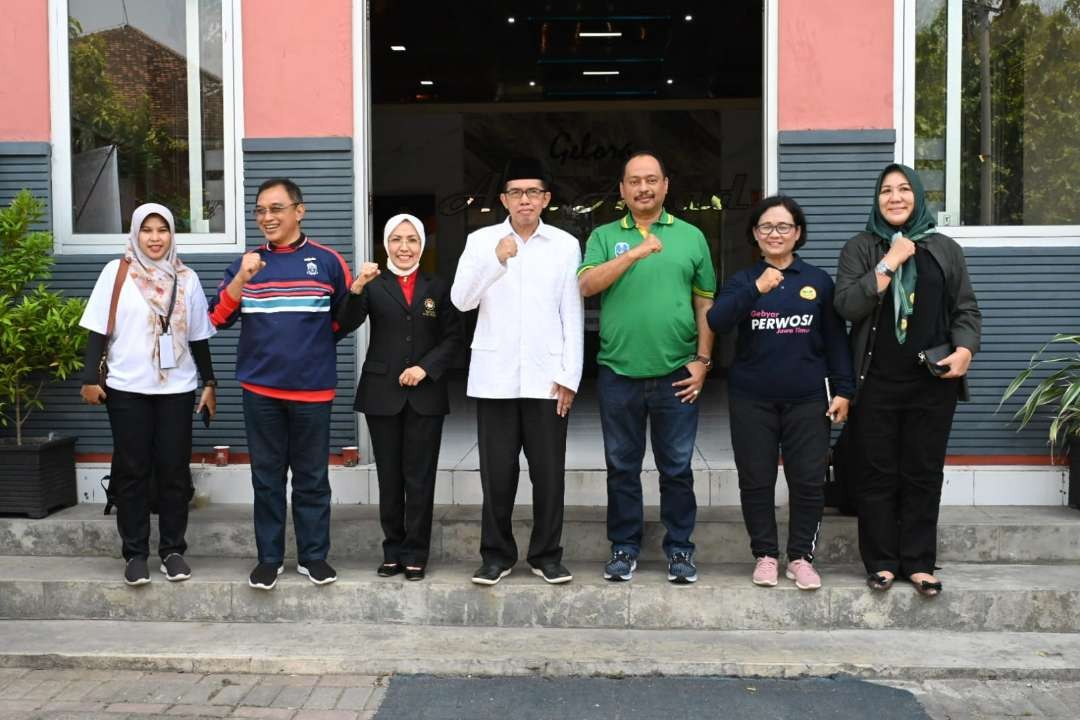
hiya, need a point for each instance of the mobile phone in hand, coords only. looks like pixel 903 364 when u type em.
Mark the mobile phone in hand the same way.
pixel 205 417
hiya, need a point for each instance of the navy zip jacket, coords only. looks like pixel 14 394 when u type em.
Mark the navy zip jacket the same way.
pixel 789 339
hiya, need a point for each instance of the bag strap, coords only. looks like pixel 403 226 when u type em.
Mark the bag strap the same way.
pixel 118 285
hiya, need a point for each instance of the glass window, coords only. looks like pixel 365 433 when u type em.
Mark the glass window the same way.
pixel 147 113
pixel 997 110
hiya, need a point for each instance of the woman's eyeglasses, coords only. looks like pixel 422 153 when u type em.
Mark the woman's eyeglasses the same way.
pixel 766 229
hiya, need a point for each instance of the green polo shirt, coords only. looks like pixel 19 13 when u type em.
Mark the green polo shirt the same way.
pixel 647 324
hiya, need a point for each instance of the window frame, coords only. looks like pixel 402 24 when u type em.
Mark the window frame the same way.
pixel 904 113
pixel 65 241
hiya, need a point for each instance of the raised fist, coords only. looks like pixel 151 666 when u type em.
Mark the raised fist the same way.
pixel 507 248
pixel 651 244
pixel 250 264
pixel 768 280
pixel 368 272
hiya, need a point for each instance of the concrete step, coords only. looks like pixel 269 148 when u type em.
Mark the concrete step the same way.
pixel 992 534
pixel 977 598
pixel 310 648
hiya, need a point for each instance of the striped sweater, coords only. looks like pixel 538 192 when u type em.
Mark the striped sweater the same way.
pixel 287 327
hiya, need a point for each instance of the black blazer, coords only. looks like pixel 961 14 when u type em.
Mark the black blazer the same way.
pixel 427 333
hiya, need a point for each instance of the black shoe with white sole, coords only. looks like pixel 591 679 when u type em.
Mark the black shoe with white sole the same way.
pixel 490 574
pixel 137 572
pixel 175 568
pixel 264 576
pixel 318 572
pixel 554 573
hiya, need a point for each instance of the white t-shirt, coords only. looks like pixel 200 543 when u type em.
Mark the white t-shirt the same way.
pixel 132 367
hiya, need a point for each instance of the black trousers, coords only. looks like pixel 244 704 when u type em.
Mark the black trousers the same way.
pixel 151 435
pixel 406 448
pixel 901 430
pixel 759 431
pixel 504 428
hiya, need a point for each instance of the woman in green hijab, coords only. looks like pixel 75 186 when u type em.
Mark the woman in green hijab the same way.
pixel 905 288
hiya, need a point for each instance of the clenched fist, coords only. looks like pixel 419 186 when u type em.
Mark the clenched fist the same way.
pixel 769 280
pixel 507 248
pixel 651 244
pixel 250 264
pixel 368 272
pixel 898 254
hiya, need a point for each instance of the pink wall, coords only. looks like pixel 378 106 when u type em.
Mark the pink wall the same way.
pixel 297 68
pixel 836 65
pixel 24 67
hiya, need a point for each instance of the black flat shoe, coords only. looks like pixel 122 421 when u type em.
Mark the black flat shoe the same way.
pixel 879 582
pixel 389 569
pixel 927 588
pixel 414 572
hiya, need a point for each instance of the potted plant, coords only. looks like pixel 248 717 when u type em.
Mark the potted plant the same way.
pixel 1058 393
pixel 40 341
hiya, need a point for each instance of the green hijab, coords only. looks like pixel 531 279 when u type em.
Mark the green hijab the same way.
pixel 919 226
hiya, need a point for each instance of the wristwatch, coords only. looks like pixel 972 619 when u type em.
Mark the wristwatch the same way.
pixel 882 269
pixel 707 362
pixel 210 383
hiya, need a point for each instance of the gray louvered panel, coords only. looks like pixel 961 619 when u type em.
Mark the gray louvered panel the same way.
pixel 1026 293
pixel 25 165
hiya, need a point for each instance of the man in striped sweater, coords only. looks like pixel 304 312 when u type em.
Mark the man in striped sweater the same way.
pixel 286 294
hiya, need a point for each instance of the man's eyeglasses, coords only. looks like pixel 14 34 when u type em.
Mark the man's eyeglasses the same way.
pixel 766 229
pixel 533 193
pixel 261 211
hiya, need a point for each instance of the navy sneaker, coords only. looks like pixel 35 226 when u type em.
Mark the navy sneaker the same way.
pixel 681 569
pixel 136 572
pixel 264 576
pixel 175 568
pixel 318 572
pixel 620 567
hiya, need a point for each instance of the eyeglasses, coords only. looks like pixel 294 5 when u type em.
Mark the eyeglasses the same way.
pixel 766 229
pixel 261 211
pixel 533 193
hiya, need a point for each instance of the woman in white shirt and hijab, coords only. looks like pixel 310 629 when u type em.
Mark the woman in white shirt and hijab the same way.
pixel 415 338
pixel 158 344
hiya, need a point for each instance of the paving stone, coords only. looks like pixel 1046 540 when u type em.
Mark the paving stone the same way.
pixel 15 705
pixel 264 713
pixel 72 706
pixel 201 710
pixel 322 698
pixel 325 715
pixel 77 690
pixel 376 698
pixel 291 697
pixel 230 695
pixel 262 695
pixel 355 698
pixel 18 688
pixel 348 681
pixel 294 680
pixel 200 693
pixel 137 708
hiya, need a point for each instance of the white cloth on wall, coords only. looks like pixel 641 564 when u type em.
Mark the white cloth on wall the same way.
pixel 132 367
pixel 530 325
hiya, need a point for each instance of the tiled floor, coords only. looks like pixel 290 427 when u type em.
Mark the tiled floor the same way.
pixel 585 443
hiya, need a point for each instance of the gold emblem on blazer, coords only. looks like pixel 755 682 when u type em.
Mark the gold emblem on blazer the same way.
pixel 429 307
pixel 808 293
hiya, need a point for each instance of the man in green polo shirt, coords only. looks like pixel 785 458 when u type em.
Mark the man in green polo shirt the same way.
pixel 657 283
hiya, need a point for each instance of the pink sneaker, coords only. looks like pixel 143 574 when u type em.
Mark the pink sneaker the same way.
pixel 765 571
pixel 804 575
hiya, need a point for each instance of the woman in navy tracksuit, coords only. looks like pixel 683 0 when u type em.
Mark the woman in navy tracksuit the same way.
pixel 792 349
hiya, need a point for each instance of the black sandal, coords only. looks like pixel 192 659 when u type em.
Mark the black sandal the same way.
pixel 879 582
pixel 389 569
pixel 927 588
pixel 414 572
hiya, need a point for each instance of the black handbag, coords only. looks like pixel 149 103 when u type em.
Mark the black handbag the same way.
pixel 930 357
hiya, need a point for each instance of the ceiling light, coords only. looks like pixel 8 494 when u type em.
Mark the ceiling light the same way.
pixel 670 81
pixel 599 72
pixel 532 83
pixel 485 209
pixel 427 82
pixel 599 34
pixel 688 18
pixel 397 48
pixel 510 20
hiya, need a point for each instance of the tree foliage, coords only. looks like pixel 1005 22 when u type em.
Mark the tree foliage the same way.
pixel 40 337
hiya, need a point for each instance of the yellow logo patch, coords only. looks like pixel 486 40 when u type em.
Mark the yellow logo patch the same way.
pixel 808 293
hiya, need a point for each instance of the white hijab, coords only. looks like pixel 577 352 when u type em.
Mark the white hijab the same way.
pixel 390 226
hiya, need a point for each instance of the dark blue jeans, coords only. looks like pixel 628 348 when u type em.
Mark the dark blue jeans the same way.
pixel 625 404
pixel 288 435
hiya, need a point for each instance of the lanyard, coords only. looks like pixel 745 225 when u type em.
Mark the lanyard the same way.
pixel 172 303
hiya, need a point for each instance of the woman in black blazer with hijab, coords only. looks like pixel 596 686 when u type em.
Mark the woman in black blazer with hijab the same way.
pixel 415 336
